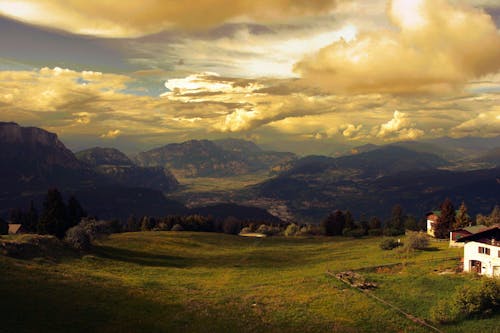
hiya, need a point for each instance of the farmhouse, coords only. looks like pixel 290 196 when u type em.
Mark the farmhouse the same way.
pixel 432 220
pixel 482 252
pixel 15 229
pixel 462 232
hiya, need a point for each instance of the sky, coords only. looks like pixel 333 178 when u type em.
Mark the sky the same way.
pixel 300 75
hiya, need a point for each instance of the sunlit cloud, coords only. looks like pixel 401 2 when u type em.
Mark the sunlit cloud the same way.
pixel 111 134
pixel 127 18
pixel 433 47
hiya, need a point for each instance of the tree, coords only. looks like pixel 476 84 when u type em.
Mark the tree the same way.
pixel 349 221
pixel 375 223
pixel 334 223
pixel 462 219
pixel 75 212
pixel 494 217
pixel 445 220
pixel 31 218
pixel 147 223
pixel 4 227
pixel 54 216
pixel 132 223
pixel 411 223
pixel 231 225
pixel 396 221
pixel 16 216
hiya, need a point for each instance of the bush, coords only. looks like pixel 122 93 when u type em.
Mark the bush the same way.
pixel 268 230
pixel 310 230
pixel 177 227
pixel 375 232
pixel 292 230
pixel 78 238
pixel 389 244
pixel 416 241
pixel 392 232
pixel 482 301
pixel 246 230
pixel 356 233
pixel 96 229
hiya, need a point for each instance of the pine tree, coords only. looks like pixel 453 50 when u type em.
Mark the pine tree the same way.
pixel 31 218
pixel 75 212
pixel 54 217
pixel 462 219
pixel 349 221
pixel 397 218
pixel 445 220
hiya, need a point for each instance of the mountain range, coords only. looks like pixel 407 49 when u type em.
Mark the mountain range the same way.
pixel 117 166
pixel 204 158
pixel 369 179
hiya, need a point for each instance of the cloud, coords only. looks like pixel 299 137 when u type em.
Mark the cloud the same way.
pixel 129 18
pixel 399 128
pixel 485 124
pixel 350 130
pixel 85 104
pixel 432 47
pixel 111 134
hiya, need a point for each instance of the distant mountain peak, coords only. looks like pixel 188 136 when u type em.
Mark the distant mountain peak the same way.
pixel 98 156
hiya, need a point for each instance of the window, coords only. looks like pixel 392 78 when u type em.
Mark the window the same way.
pixel 484 250
pixel 498 253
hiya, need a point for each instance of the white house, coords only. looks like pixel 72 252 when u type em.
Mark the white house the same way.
pixel 482 252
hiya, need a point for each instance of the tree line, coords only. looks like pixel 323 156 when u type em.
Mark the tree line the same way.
pixel 55 218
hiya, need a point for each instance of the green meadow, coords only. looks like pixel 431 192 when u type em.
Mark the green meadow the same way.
pixel 207 282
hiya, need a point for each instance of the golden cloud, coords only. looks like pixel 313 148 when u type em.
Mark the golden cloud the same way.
pixel 129 18
pixel 434 46
pixel 485 124
pixel 92 104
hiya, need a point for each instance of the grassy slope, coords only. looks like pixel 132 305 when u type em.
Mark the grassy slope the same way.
pixel 196 282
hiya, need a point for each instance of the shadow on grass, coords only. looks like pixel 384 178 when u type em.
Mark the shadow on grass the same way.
pixel 258 258
pixel 431 249
pixel 139 257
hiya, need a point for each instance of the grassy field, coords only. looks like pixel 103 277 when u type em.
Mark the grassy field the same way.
pixel 200 282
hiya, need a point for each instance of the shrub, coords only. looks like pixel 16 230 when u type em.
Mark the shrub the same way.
pixel 246 230
pixel 268 230
pixel 482 301
pixel 416 241
pixel 375 232
pixel 177 227
pixel 356 233
pixel 389 244
pixel 310 230
pixel 392 232
pixel 96 229
pixel 78 238
pixel 292 230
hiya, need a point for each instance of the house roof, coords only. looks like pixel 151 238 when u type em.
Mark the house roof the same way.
pixel 483 236
pixel 472 229
pixel 14 228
